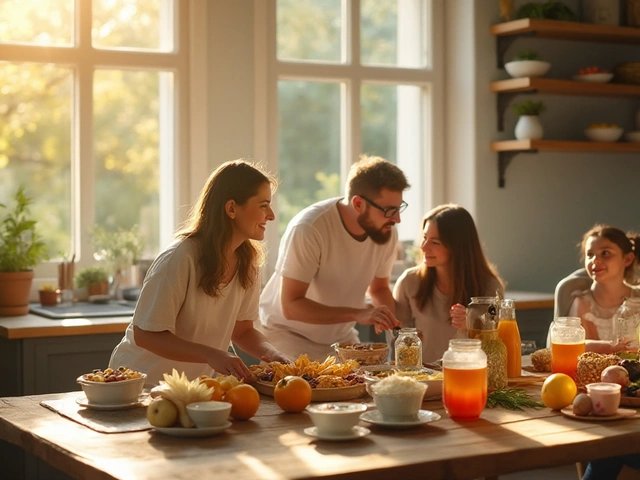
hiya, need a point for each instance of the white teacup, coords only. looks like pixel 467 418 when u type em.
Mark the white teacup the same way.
pixel 337 418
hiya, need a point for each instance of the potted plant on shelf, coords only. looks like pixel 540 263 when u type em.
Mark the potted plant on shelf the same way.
pixel 527 64
pixel 528 126
pixel 21 249
pixel 95 279
pixel 48 295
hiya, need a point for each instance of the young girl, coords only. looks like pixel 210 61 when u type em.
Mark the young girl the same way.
pixel 454 270
pixel 609 257
pixel 203 290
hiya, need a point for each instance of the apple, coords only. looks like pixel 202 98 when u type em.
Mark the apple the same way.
pixel 162 413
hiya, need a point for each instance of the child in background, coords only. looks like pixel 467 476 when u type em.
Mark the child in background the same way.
pixel 454 270
pixel 609 257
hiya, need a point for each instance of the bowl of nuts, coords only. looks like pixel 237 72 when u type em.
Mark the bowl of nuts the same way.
pixel 112 387
pixel 368 353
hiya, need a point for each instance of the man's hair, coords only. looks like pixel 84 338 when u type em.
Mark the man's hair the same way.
pixel 369 175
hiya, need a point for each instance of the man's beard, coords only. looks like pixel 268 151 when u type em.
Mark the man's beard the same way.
pixel 375 234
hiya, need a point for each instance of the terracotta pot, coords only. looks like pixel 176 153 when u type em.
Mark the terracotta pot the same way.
pixel 48 298
pixel 15 288
pixel 99 289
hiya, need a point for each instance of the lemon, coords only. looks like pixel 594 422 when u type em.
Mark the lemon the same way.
pixel 558 391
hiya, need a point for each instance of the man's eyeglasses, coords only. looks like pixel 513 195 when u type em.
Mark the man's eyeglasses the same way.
pixel 388 211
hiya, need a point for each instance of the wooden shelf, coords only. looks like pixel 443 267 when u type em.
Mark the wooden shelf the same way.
pixel 564 87
pixel 508 149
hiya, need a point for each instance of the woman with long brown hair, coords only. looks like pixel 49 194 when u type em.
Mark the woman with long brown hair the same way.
pixel 203 290
pixel 432 296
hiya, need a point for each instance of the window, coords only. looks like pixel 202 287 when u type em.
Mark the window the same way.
pixel 88 116
pixel 346 77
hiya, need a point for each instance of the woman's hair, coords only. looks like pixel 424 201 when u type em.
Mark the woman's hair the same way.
pixel 369 175
pixel 210 226
pixel 628 243
pixel 470 270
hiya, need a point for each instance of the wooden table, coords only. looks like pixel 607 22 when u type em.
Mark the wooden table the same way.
pixel 272 446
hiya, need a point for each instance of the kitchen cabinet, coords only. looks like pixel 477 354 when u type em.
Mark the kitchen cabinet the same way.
pixel 506 33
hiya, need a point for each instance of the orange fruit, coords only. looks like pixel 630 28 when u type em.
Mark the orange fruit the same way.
pixel 228 382
pixel 244 400
pixel 558 391
pixel 292 394
pixel 215 385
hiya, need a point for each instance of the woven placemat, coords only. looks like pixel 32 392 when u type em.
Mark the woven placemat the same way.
pixel 103 421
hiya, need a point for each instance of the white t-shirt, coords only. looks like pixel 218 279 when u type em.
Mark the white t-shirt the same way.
pixel 317 249
pixel 171 300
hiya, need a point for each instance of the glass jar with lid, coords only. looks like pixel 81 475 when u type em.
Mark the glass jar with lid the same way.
pixel 567 344
pixel 464 387
pixel 408 347
pixel 626 323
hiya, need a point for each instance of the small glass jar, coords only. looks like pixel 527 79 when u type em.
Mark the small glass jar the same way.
pixel 464 387
pixel 567 344
pixel 626 323
pixel 408 348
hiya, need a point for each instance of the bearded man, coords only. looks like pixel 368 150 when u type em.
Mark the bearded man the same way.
pixel 330 255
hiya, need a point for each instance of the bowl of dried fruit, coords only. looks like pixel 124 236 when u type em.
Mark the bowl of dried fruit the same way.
pixel 370 353
pixel 112 387
pixel 604 132
pixel 594 75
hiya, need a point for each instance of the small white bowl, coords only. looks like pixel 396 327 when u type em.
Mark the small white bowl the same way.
pixel 124 392
pixel 527 68
pixel 375 373
pixel 336 418
pixel 605 398
pixel 209 414
pixel 398 398
pixel 633 136
pixel 604 134
pixel 594 77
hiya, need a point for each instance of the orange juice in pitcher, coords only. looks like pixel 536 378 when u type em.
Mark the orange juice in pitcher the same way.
pixel 464 389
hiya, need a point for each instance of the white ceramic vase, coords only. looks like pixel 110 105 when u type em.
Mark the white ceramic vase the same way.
pixel 528 128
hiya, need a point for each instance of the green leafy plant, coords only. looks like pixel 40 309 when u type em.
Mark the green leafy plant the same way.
pixel 21 247
pixel 89 276
pixel 548 10
pixel 529 107
pixel 527 55
pixel 117 247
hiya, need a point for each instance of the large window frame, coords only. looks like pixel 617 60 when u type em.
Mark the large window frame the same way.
pixel 181 178
pixel 427 178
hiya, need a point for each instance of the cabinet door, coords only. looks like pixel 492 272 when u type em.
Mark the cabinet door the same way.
pixel 51 365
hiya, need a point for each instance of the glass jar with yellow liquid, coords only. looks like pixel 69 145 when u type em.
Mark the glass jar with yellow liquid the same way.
pixel 510 335
pixel 464 384
pixel 567 344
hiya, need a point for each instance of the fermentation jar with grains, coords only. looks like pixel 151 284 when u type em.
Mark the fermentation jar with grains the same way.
pixel 626 323
pixel 464 379
pixel 408 348
pixel 567 344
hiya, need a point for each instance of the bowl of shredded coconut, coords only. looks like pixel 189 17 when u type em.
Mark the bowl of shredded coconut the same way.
pixel 398 398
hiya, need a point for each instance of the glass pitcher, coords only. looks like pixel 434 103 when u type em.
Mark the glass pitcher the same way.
pixel 626 323
pixel 567 344
pixel 482 324
pixel 510 335
pixel 464 384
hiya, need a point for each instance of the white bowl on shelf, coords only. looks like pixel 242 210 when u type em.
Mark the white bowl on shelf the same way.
pixel 604 134
pixel 633 136
pixel 594 77
pixel 527 68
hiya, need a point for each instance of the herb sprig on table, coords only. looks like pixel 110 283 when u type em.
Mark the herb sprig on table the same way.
pixel 512 399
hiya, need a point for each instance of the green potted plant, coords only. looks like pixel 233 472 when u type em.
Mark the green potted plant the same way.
pixel 527 63
pixel 528 126
pixel 94 278
pixel 48 295
pixel 21 249
pixel 119 249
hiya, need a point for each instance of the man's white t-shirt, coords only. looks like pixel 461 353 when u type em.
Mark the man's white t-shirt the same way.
pixel 171 300
pixel 317 249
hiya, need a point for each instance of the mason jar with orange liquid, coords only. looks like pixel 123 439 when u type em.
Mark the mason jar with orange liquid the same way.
pixel 510 335
pixel 567 344
pixel 464 384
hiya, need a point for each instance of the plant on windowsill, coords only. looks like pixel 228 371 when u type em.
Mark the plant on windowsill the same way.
pixel 95 279
pixel 21 249
pixel 120 250
pixel 528 126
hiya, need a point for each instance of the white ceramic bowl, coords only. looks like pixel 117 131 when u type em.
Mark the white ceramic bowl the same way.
pixel 604 134
pixel 633 136
pixel 527 68
pixel 209 414
pixel 375 373
pixel 594 77
pixel 337 418
pixel 605 398
pixel 398 398
pixel 112 393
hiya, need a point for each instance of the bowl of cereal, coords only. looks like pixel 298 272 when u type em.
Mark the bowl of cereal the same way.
pixel 112 387
pixel 398 398
pixel 368 353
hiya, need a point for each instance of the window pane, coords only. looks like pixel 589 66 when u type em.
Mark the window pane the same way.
pixel 35 145
pixel 309 145
pixel 392 127
pixel 37 22
pixel 392 33
pixel 127 125
pixel 310 30
pixel 133 24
